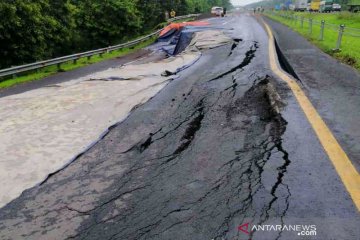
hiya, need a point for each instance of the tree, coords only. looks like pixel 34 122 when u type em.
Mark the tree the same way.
pixel 106 22
pixel 26 29
pixel 151 13
pixel 33 30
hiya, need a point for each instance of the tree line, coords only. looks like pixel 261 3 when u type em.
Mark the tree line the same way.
pixel 33 30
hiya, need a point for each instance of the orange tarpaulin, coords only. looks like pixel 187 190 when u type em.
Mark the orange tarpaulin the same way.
pixel 178 26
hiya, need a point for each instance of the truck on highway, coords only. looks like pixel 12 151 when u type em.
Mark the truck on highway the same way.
pixel 329 6
pixel 354 5
pixel 336 7
pixel 217 11
pixel 300 5
pixel 287 4
pixel 314 6
pixel 326 6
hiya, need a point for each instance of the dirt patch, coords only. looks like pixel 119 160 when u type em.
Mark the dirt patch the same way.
pixel 346 59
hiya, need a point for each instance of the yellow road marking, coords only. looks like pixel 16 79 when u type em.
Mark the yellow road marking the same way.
pixel 346 170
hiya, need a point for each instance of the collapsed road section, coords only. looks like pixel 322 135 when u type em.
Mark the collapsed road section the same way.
pixel 189 164
pixel 153 189
pixel 222 148
pixel 43 130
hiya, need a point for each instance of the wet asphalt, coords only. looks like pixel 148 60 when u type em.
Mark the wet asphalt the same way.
pixel 222 145
pixel 333 87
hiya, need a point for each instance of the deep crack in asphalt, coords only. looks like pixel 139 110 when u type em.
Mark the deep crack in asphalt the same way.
pixel 249 55
pixel 234 45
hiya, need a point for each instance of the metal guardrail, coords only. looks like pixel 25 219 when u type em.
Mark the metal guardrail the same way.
pixel 74 57
pixel 311 23
pixel 183 17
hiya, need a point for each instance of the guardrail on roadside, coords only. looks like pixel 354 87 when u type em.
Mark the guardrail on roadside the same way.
pixel 310 23
pixel 183 17
pixel 74 57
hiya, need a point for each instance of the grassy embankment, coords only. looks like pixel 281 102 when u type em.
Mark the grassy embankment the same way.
pixel 350 46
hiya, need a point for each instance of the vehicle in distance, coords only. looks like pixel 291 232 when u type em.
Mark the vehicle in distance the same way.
pixel 354 5
pixel 329 6
pixel 336 7
pixel 326 6
pixel 217 11
pixel 314 5
pixel 300 5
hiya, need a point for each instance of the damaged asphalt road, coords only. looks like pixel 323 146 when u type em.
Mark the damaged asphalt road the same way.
pixel 223 145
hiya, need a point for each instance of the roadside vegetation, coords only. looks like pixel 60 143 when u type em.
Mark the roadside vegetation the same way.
pixel 34 30
pixel 349 52
pixel 347 18
pixel 43 29
pixel 50 70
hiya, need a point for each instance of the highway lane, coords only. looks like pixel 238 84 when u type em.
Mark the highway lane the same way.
pixel 223 145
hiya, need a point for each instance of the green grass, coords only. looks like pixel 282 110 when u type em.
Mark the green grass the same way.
pixel 347 18
pixel 350 45
pixel 67 66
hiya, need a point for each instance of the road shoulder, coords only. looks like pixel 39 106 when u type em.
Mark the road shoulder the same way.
pixel 333 87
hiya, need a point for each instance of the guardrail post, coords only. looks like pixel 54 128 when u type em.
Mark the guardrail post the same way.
pixel 302 22
pixel 74 61
pixel 310 26
pixel 341 31
pixel 58 66
pixel 322 30
pixel 88 57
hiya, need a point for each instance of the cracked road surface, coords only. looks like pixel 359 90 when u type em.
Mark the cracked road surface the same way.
pixel 223 145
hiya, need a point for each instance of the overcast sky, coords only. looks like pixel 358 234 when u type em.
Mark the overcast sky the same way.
pixel 243 2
